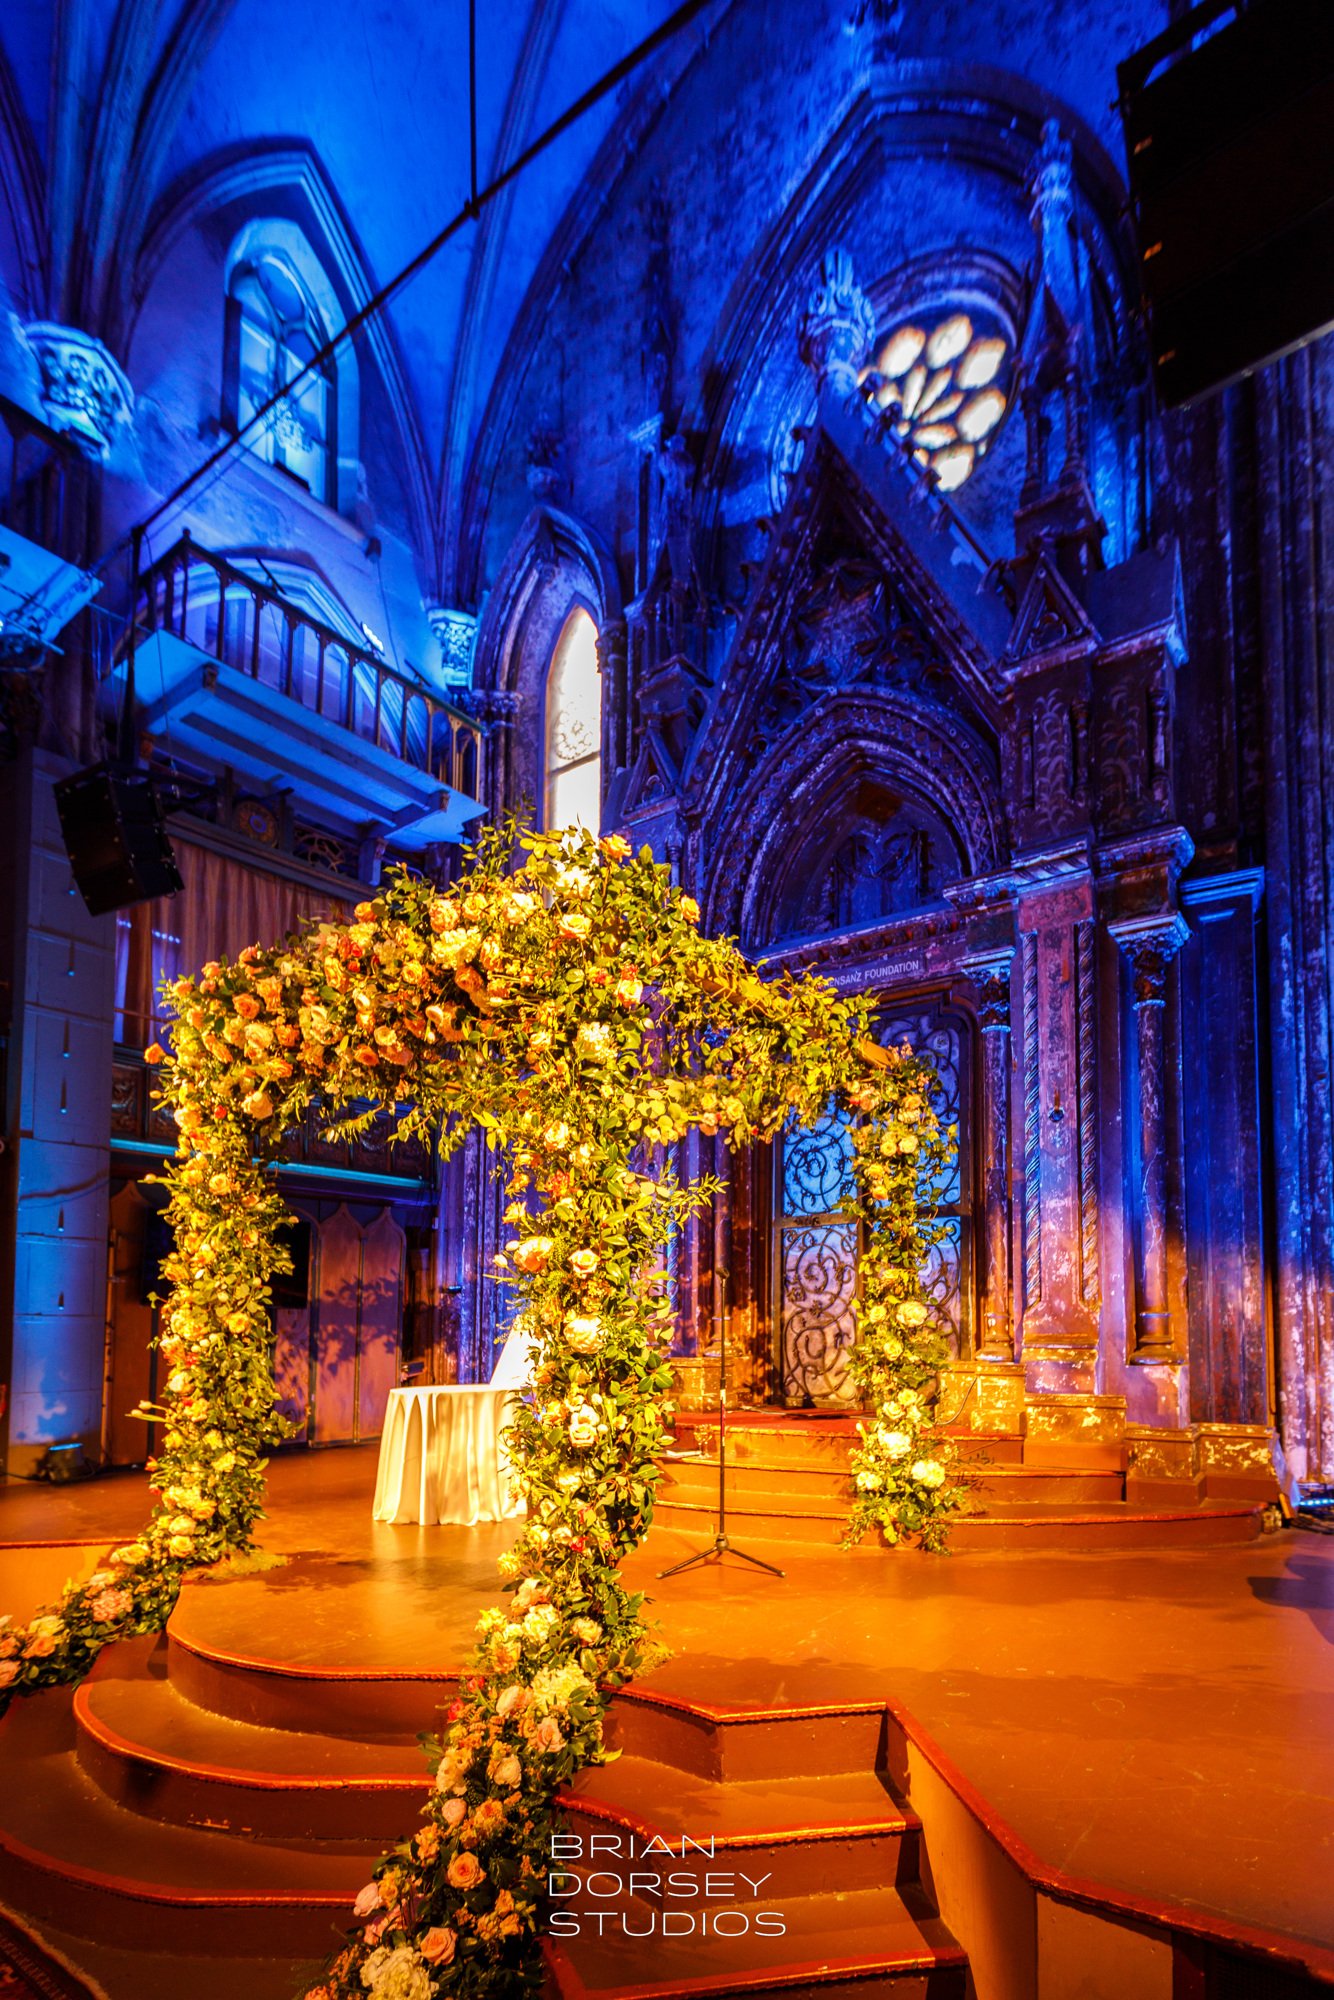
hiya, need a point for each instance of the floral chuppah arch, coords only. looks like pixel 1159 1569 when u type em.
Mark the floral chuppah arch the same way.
pixel 568 1006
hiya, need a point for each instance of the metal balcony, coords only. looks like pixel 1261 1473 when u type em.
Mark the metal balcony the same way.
pixel 230 672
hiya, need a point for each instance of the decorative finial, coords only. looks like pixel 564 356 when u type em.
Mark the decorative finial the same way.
pixel 838 327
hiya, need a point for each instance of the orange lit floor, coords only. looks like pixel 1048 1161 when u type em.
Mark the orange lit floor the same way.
pixel 1161 1722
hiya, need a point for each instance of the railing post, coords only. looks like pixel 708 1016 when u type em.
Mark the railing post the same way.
pixel 254 635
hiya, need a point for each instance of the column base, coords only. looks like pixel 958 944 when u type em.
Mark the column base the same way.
pixel 1201 1461
pixel 982 1395
pixel 1089 1426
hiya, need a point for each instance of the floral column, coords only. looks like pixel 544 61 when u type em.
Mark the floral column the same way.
pixel 1151 943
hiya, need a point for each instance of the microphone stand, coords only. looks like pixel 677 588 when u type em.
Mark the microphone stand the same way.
pixel 721 1545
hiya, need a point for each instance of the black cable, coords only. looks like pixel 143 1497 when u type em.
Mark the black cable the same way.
pixel 679 18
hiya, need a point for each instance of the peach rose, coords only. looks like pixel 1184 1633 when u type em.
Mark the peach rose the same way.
pixel 465 1871
pixel 583 1262
pixel 629 989
pixel 574 925
pixel 437 1945
pixel 452 1812
pixel 109 1605
pixel 9 1673
pixel 532 1253
pixel 690 909
pixel 504 1769
pixel 547 1737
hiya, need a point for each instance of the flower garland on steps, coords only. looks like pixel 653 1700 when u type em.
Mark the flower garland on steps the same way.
pixel 564 1002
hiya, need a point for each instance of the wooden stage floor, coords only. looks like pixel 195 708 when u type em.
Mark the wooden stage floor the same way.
pixel 1160 1722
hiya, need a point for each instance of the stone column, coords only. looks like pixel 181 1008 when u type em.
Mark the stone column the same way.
pixel 60 963
pixel 995 1333
pixel 1151 943
pixel 612 655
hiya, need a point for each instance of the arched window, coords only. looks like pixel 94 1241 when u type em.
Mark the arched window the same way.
pixel 273 329
pixel 573 760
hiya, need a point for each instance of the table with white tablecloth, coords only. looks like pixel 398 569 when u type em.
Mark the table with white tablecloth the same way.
pixel 441 1457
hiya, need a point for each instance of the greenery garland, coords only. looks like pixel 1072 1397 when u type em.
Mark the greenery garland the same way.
pixel 567 1005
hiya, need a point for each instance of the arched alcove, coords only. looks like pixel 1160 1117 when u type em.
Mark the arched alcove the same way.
pixel 904 775
pixel 555 608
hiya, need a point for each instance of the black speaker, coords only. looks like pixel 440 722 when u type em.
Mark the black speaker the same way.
pixel 1227 117
pixel 115 837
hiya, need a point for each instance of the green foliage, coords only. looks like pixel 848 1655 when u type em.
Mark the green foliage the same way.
pixel 564 1003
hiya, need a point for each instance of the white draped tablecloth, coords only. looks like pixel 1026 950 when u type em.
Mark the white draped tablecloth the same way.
pixel 441 1457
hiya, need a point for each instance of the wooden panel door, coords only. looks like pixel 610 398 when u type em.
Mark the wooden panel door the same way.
pixel 337 1293
pixel 383 1245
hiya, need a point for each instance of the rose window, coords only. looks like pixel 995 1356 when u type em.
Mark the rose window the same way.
pixel 944 385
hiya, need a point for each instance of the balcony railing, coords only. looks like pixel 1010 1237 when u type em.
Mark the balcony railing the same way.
pixel 226 613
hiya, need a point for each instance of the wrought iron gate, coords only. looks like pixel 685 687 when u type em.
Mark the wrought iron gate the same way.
pixel 814 1274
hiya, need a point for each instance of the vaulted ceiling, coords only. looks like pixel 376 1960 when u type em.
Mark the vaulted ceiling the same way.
pixel 114 107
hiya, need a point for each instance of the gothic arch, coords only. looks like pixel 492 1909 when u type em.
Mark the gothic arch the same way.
pixel 990 119
pixel 555 564
pixel 919 751
pixel 254 180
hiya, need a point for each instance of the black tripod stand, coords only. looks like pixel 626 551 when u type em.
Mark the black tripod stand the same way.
pixel 720 1545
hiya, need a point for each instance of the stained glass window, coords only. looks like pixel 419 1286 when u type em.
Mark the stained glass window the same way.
pixel 574 727
pixel 943 379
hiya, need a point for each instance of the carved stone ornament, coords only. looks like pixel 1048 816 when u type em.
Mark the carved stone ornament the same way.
pixel 456 632
pixel 84 393
pixel 838 327
pixel 489 706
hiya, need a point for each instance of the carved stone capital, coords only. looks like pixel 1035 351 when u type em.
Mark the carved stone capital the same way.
pixel 838 327
pixel 493 707
pixel 991 972
pixel 456 633
pixel 84 392
pixel 1150 943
